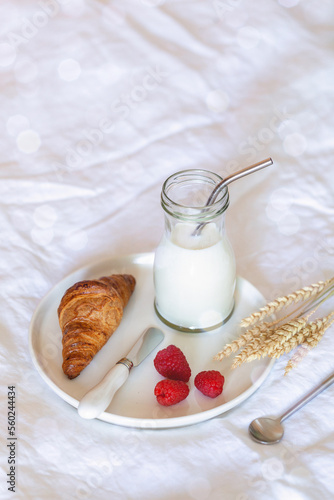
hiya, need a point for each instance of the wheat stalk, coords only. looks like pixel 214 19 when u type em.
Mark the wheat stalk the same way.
pixel 266 344
pixel 242 340
pixel 276 305
pixel 252 350
pixel 283 339
pixel 277 338
pixel 314 339
pixel 302 351
pixel 311 341
pixel 288 330
pixel 311 331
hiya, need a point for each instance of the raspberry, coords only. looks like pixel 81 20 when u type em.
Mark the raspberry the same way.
pixel 171 363
pixel 170 392
pixel 210 383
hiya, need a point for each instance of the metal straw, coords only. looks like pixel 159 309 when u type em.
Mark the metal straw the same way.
pixel 231 178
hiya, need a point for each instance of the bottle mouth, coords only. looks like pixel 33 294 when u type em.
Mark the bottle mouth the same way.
pixel 184 195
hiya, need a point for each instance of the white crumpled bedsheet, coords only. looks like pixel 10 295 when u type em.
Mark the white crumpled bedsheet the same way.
pixel 100 102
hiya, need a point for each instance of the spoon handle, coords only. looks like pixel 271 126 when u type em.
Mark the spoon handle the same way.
pixel 321 387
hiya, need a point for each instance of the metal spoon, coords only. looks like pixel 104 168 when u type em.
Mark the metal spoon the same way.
pixel 225 182
pixel 266 430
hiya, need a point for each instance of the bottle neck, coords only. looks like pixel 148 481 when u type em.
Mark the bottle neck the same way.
pixel 184 196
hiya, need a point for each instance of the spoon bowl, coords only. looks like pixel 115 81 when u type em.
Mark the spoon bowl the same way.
pixel 266 430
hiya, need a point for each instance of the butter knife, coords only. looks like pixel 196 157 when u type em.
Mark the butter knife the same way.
pixel 97 399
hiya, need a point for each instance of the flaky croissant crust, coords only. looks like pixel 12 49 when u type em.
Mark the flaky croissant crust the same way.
pixel 89 313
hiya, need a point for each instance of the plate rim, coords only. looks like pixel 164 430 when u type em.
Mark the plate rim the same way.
pixel 137 422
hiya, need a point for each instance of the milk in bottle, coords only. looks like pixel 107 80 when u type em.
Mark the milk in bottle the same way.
pixel 194 274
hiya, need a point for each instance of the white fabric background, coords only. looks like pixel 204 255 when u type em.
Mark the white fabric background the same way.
pixel 100 102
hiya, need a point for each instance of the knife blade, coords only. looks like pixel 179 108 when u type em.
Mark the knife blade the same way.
pixel 97 399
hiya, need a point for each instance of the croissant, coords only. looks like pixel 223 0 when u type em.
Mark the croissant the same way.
pixel 89 313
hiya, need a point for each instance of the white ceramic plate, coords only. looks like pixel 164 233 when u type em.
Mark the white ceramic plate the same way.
pixel 134 405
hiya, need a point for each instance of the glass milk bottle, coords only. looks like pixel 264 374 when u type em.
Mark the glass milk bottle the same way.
pixel 194 274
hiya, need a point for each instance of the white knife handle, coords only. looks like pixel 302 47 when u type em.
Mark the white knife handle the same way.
pixel 99 397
